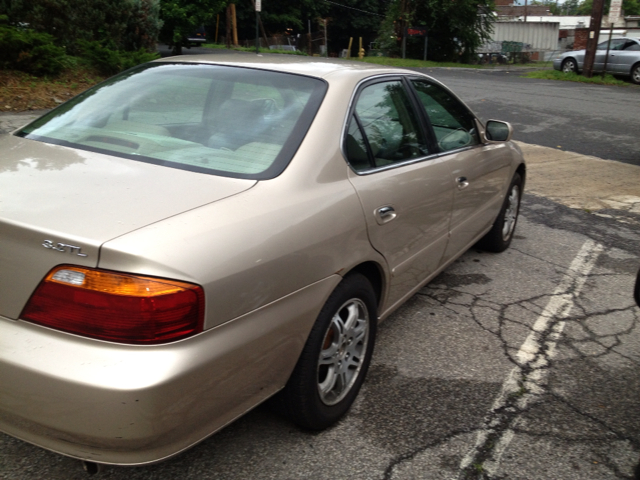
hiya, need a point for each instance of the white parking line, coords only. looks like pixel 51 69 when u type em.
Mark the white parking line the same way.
pixel 526 382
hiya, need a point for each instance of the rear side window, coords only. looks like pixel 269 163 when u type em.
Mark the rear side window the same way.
pixel 384 128
pixel 631 46
pixel 228 121
pixel 453 125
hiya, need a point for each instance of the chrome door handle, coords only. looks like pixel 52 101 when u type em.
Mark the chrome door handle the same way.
pixel 462 182
pixel 385 214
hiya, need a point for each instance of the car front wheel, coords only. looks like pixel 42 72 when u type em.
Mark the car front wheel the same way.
pixel 335 359
pixel 635 74
pixel 569 65
pixel 499 237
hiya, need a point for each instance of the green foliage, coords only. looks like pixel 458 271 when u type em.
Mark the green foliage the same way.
pixel 278 16
pixel 569 7
pixel 629 7
pixel 29 51
pixel 109 61
pixel 182 17
pixel 129 24
pixel 413 63
pixel 363 19
pixel 261 50
pixel 574 77
pixel 388 40
pixel 455 28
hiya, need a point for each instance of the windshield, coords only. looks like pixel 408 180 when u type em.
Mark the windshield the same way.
pixel 228 121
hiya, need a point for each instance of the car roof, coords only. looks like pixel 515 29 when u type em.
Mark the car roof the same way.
pixel 311 66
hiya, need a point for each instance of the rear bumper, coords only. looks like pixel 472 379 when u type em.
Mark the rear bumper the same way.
pixel 131 405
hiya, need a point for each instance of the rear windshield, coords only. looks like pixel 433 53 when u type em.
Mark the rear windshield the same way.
pixel 229 121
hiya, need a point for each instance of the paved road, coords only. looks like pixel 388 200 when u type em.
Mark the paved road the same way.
pixel 589 119
pixel 522 365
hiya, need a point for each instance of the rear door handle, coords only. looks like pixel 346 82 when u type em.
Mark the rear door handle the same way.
pixel 462 183
pixel 385 214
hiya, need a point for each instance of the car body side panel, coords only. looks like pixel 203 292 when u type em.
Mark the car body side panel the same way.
pixel 413 242
pixel 487 169
pixel 622 61
pixel 125 404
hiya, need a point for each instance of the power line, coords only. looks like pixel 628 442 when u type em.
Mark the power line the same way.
pixel 351 8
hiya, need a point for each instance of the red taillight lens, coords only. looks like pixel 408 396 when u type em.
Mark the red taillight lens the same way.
pixel 115 306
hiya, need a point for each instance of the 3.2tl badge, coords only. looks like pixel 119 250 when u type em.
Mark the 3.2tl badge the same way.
pixel 64 247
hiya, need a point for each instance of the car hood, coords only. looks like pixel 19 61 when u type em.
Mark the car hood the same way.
pixel 75 200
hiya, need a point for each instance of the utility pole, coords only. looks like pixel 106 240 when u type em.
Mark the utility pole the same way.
pixel 227 22
pixel 258 7
pixel 592 41
pixel 326 46
pixel 234 24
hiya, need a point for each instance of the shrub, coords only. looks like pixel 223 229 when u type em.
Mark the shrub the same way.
pixel 109 61
pixel 29 51
pixel 129 24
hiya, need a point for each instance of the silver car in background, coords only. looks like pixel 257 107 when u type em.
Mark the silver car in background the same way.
pixel 624 59
pixel 198 235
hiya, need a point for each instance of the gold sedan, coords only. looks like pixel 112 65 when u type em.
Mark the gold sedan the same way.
pixel 197 235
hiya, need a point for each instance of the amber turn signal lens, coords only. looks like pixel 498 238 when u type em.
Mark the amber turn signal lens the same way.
pixel 115 306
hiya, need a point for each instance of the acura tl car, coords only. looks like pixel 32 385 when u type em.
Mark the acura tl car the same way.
pixel 623 59
pixel 198 235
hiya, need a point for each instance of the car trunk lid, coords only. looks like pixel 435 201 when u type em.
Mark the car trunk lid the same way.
pixel 59 205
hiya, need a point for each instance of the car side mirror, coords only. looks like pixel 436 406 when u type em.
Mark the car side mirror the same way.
pixel 636 290
pixel 497 131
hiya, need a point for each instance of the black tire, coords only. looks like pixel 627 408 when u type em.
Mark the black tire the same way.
pixel 635 74
pixel 303 400
pixel 499 237
pixel 570 65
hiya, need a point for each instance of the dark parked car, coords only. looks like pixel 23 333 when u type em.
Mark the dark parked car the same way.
pixel 196 38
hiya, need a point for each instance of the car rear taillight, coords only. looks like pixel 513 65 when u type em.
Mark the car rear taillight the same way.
pixel 117 307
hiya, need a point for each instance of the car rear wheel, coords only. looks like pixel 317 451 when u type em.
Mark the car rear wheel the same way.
pixel 335 359
pixel 499 237
pixel 569 65
pixel 635 74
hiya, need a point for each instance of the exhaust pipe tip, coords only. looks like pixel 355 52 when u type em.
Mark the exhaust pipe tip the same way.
pixel 91 467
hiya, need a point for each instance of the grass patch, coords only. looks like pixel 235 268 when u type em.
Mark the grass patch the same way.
pixel 253 49
pixel 21 91
pixel 413 63
pixel 574 77
pixel 213 45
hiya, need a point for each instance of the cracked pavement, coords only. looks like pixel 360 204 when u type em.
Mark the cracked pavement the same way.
pixel 514 366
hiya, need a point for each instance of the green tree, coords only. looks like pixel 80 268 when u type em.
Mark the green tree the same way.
pixel 455 28
pixel 182 17
pixel 355 19
pixel 121 24
pixel 629 7
pixel 279 17
pixel 569 7
pixel 553 7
